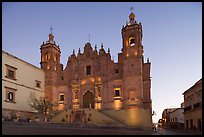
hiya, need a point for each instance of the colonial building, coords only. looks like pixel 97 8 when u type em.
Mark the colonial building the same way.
pixel 177 118
pixel 19 80
pixel 92 80
pixel 166 117
pixel 193 107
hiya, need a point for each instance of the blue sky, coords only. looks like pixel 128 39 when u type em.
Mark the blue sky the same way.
pixel 172 37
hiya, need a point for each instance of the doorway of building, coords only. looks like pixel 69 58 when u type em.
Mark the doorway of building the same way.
pixel 88 100
pixel 78 116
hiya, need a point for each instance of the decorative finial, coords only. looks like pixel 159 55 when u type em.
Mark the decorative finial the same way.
pixel 108 50
pixel 132 15
pixel 95 47
pixel 73 51
pixel 147 60
pixel 102 45
pixel 89 37
pixel 51 37
pixel 79 50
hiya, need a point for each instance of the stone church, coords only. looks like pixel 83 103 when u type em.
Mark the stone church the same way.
pixel 91 79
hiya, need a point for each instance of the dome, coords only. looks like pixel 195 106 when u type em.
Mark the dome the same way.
pixel 51 37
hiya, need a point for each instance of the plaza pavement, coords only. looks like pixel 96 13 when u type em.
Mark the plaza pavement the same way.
pixel 16 128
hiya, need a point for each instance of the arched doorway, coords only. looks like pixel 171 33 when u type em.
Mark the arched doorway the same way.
pixel 78 116
pixel 88 99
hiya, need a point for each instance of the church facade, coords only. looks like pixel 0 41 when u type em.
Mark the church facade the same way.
pixel 91 79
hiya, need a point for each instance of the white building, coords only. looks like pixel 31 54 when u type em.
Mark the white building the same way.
pixel 177 118
pixel 19 80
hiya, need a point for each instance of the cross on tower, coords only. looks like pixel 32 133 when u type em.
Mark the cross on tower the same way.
pixel 131 8
pixel 89 37
pixel 51 29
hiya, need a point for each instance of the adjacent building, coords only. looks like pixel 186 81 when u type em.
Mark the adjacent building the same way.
pixel 177 118
pixel 166 117
pixel 193 107
pixel 20 80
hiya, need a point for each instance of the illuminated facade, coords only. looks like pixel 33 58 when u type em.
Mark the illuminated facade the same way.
pixel 92 79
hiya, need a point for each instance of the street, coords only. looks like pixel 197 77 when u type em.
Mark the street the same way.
pixel 163 131
pixel 11 128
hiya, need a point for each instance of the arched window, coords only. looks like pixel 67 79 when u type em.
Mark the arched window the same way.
pixel 47 56
pixel 55 57
pixel 132 41
pixel 76 95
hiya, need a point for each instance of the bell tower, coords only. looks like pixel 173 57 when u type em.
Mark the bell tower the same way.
pixel 50 54
pixel 132 37
pixel 132 54
pixel 50 63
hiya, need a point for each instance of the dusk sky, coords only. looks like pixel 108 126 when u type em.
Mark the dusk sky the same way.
pixel 172 37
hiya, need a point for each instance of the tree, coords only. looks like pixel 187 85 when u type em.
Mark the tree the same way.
pixel 42 104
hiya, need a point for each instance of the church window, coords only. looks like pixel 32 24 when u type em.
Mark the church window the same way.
pixel 76 95
pixel 61 97
pixel 47 57
pixel 131 41
pixel 88 70
pixel 117 93
pixel 55 57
